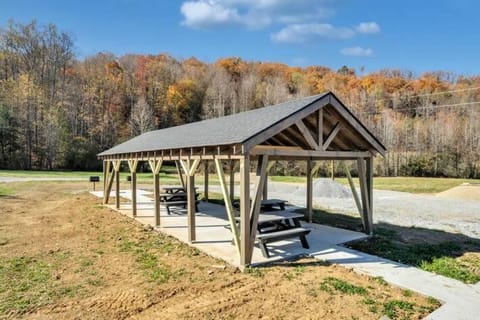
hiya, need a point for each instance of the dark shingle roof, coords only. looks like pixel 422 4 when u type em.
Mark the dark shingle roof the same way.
pixel 226 130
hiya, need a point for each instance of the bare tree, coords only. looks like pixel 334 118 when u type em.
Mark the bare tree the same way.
pixel 141 118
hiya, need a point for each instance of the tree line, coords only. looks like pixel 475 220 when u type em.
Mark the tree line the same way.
pixel 59 111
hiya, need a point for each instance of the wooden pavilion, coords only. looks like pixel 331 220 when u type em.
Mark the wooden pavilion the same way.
pixel 314 128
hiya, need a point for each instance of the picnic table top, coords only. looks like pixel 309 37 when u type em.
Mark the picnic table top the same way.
pixel 273 201
pixel 268 201
pixel 276 216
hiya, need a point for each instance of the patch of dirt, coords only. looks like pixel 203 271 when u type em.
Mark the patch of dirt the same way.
pixel 107 266
pixel 465 191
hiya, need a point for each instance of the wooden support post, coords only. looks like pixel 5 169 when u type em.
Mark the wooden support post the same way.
pixel 265 188
pixel 179 172
pixel 110 175
pixel 190 167
pixel 228 204
pixel 104 179
pixel 205 181
pixel 155 166
pixel 364 193
pixel 257 201
pixel 333 170
pixel 320 128
pixel 310 173
pixel 369 175
pixel 232 179
pixel 245 259
pixel 132 164
pixel 116 168
pixel 191 206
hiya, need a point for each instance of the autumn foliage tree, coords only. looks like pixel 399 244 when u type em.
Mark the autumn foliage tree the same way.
pixel 58 111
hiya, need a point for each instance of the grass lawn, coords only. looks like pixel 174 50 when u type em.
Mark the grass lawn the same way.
pixel 404 184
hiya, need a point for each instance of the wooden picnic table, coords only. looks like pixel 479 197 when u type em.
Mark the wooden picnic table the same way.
pixel 279 225
pixel 176 199
pixel 173 189
pixel 267 204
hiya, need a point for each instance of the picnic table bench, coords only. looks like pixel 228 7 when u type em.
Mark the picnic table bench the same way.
pixel 277 226
pixel 176 199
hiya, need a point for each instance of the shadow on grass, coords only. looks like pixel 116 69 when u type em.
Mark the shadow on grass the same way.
pixel 450 254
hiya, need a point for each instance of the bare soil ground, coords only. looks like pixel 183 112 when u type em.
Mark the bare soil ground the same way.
pixel 466 191
pixel 63 256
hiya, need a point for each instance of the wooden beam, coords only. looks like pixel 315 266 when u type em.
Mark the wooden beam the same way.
pixel 355 123
pixel 295 153
pixel 296 136
pixel 232 179
pixel 320 127
pixel 282 125
pixel 364 194
pixel 265 187
pixel 205 180
pixel 108 185
pixel 116 168
pixel 190 168
pixel 336 128
pixel 132 164
pixel 180 174
pixel 193 167
pixel 228 204
pixel 257 201
pixel 155 166
pixel 369 176
pixel 307 135
pixel 245 245
pixel 309 190
pixel 355 195
pixel 104 180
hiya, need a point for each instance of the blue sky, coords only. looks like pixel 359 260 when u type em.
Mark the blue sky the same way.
pixel 421 35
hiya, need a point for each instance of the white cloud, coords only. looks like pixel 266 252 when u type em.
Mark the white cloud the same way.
pixel 297 33
pixel 368 28
pixel 202 14
pixel 357 52
pixel 252 13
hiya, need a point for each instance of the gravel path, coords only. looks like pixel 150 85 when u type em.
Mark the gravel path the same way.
pixel 398 208
pixel 24 179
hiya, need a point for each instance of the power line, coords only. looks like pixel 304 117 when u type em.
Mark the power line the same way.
pixel 427 107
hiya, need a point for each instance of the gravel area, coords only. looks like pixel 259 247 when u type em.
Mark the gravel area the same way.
pixel 398 208
pixel 22 179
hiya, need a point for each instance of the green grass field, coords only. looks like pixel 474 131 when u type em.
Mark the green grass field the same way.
pixel 168 175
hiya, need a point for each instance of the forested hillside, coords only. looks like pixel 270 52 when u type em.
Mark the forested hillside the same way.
pixel 59 111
